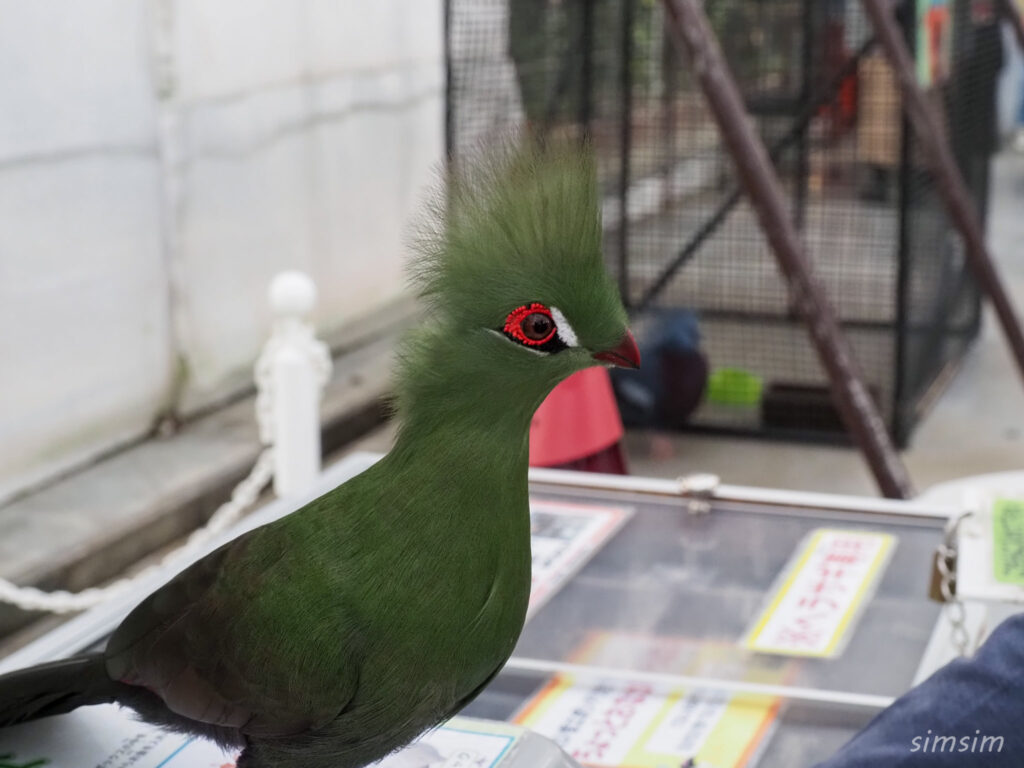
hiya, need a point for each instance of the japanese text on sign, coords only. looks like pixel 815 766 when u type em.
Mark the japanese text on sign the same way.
pixel 828 582
pixel 622 724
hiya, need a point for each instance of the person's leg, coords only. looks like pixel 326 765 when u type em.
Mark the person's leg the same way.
pixel 969 713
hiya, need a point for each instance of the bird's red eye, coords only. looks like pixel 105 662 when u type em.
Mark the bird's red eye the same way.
pixel 537 326
pixel 530 324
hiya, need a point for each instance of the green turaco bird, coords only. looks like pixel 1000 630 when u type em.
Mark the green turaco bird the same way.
pixel 339 633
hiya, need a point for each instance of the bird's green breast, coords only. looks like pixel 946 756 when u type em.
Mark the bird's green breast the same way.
pixel 436 574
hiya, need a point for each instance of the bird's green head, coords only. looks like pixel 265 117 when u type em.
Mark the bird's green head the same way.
pixel 513 269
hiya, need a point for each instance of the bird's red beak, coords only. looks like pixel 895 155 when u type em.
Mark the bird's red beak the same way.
pixel 625 355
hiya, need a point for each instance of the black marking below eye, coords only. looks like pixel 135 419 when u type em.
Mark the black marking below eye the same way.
pixel 549 347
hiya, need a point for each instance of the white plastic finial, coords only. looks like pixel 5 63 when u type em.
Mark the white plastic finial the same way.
pixel 295 360
pixel 292 293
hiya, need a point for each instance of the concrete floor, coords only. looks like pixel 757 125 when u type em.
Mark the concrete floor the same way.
pixel 975 427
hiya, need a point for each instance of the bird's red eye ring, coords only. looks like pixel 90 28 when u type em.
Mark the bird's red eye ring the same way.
pixel 531 324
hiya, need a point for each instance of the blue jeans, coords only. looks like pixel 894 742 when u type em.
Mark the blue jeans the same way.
pixel 969 713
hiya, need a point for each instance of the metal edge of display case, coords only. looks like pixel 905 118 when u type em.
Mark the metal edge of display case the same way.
pixel 760 499
pixel 527 666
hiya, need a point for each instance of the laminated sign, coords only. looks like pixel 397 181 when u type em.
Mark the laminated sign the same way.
pixel 108 737
pixel 563 537
pixel 1008 541
pixel 104 737
pixel 622 724
pixel 819 596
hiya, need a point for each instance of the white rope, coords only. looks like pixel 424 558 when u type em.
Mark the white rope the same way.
pixel 242 497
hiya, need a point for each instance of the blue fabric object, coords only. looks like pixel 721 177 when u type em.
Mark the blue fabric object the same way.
pixel 940 722
pixel 654 394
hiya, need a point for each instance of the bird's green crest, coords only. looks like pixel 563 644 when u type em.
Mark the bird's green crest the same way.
pixel 522 223
pixel 514 226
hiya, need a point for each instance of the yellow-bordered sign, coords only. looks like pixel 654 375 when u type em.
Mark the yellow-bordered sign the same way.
pixel 821 593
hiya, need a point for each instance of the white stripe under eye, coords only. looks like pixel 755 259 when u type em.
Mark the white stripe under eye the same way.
pixel 565 331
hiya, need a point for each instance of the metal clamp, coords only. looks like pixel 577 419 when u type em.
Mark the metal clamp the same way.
pixel 699 489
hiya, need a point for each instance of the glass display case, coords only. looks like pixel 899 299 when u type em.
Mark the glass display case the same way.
pixel 726 626
pixel 666 607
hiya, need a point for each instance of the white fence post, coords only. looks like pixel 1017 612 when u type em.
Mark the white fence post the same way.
pixel 295 380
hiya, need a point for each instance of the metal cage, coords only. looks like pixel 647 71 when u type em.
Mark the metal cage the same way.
pixel 679 233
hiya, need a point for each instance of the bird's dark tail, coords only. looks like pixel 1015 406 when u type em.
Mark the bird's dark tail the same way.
pixel 55 688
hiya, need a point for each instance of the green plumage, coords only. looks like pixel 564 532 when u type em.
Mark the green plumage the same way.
pixel 339 633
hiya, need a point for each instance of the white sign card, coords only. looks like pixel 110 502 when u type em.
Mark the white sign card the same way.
pixel 109 737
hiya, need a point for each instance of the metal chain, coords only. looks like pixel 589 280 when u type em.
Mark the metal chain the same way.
pixel 954 606
pixel 242 497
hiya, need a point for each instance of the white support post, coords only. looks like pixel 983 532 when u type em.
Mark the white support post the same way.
pixel 295 381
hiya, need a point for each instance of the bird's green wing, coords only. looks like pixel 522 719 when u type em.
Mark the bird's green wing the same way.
pixel 251 637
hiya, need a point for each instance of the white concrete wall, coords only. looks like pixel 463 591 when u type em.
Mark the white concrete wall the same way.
pixel 159 161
